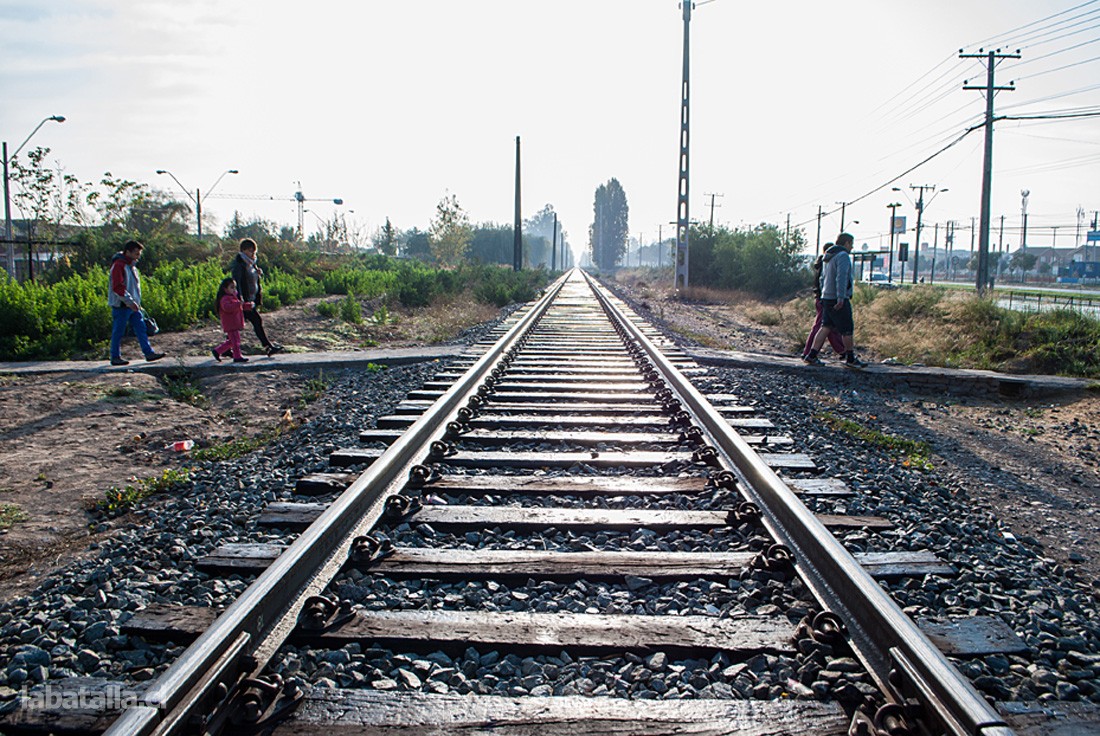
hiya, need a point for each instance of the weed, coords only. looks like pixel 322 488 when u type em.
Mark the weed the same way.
pixel 314 389
pixel 41 477
pixel 383 317
pixel 914 454
pixel 328 310
pixel 235 448
pixel 182 386
pixel 128 393
pixel 11 514
pixel 375 368
pixel 350 311
pixel 117 501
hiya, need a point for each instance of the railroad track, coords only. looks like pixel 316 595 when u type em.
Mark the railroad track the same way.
pixel 569 497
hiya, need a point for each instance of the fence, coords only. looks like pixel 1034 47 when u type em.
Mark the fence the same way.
pixel 1037 302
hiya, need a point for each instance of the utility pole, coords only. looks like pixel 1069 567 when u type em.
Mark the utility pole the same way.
pixel 843 206
pixel 1024 194
pixel 683 223
pixel 712 196
pixel 554 245
pixel 517 239
pixel 920 215
pixel 817 248
pixel 991 59
pixel 893 229
pixel 787 234
pixel 935 247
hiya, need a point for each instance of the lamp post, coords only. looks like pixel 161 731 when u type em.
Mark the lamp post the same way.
pixel 198 197
pixel 7 191
pixel 893 229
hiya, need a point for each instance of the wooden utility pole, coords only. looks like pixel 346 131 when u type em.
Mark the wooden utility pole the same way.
pixel 712 196
pixel 554 245
pixel 990 89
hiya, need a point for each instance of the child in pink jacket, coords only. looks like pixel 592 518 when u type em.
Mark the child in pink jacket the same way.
pixel 231 310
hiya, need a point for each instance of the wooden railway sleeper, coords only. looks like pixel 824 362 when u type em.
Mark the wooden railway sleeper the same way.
pixel 322 612
pixel 263 701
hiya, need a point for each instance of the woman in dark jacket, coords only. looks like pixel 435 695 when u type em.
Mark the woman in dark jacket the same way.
pixel 248 277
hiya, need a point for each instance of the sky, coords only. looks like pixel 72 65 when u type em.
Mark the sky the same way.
pixel 390 106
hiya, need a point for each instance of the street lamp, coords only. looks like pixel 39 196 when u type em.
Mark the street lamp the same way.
pixel 893 229
pixel 7 191
pixel 198 198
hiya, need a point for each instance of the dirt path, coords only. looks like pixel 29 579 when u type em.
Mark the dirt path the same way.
pixel 66 439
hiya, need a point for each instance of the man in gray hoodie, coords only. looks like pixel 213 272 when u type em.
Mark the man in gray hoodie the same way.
pixel 836 302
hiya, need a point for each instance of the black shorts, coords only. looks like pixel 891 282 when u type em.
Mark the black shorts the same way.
pixel 839 320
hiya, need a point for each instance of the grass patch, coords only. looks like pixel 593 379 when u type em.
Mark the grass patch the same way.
pixel 913 453
pixel 382 316
pixel 11 514
pixel 117 501
pixel 235 448
pixel 184 387
pixel 128 394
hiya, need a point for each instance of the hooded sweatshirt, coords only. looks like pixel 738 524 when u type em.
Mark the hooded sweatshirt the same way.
pixel 836 274
pixel 125 288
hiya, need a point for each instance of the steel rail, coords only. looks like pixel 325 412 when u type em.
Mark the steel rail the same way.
pixel 902 660
pixel 248 633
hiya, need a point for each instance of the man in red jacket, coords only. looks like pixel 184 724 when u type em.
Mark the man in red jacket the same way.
pixel 124 298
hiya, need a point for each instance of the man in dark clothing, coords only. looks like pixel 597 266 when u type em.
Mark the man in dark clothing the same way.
pixel 249 277
pixel 836 302
pixel 124 298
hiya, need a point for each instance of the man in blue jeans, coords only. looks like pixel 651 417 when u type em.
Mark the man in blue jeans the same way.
pixel 124 298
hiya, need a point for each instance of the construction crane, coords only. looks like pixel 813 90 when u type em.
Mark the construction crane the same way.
pixel 298 197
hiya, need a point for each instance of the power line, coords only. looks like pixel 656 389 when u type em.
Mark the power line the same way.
pixel 987 41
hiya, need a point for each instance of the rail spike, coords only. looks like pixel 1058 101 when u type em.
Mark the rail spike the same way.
pixel 680 419
pixel 368 549
pixel 321 612
pixel 262 701
pixel 400 506
pixel 707 455
pixel 438 450
pixel 747 512
pixel 421 475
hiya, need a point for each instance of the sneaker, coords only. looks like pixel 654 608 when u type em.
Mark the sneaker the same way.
pixel 240 360
pixel 854 362
pixel 274 348
pixel 119 361
pixel 217 355
pixel 811 360
pixel 153 356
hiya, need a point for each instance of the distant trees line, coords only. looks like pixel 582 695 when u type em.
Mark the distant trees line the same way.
pixel 54 211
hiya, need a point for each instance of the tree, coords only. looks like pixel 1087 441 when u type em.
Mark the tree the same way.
pixel 492 243
pixel 45 198
pixel 1023 261
pixel 539 232
pixel 260 230
pixel 417 245
pixel 450 232
pixel 385 240
pixel 610 226
pixel 761 260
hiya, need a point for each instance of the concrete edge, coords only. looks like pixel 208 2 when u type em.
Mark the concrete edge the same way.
pixel 204 366
pixel 916 379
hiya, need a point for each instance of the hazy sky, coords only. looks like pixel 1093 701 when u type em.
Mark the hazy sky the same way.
pixel 391 105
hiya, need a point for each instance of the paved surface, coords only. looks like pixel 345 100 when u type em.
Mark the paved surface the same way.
pixel 917 379
pixel 207 365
